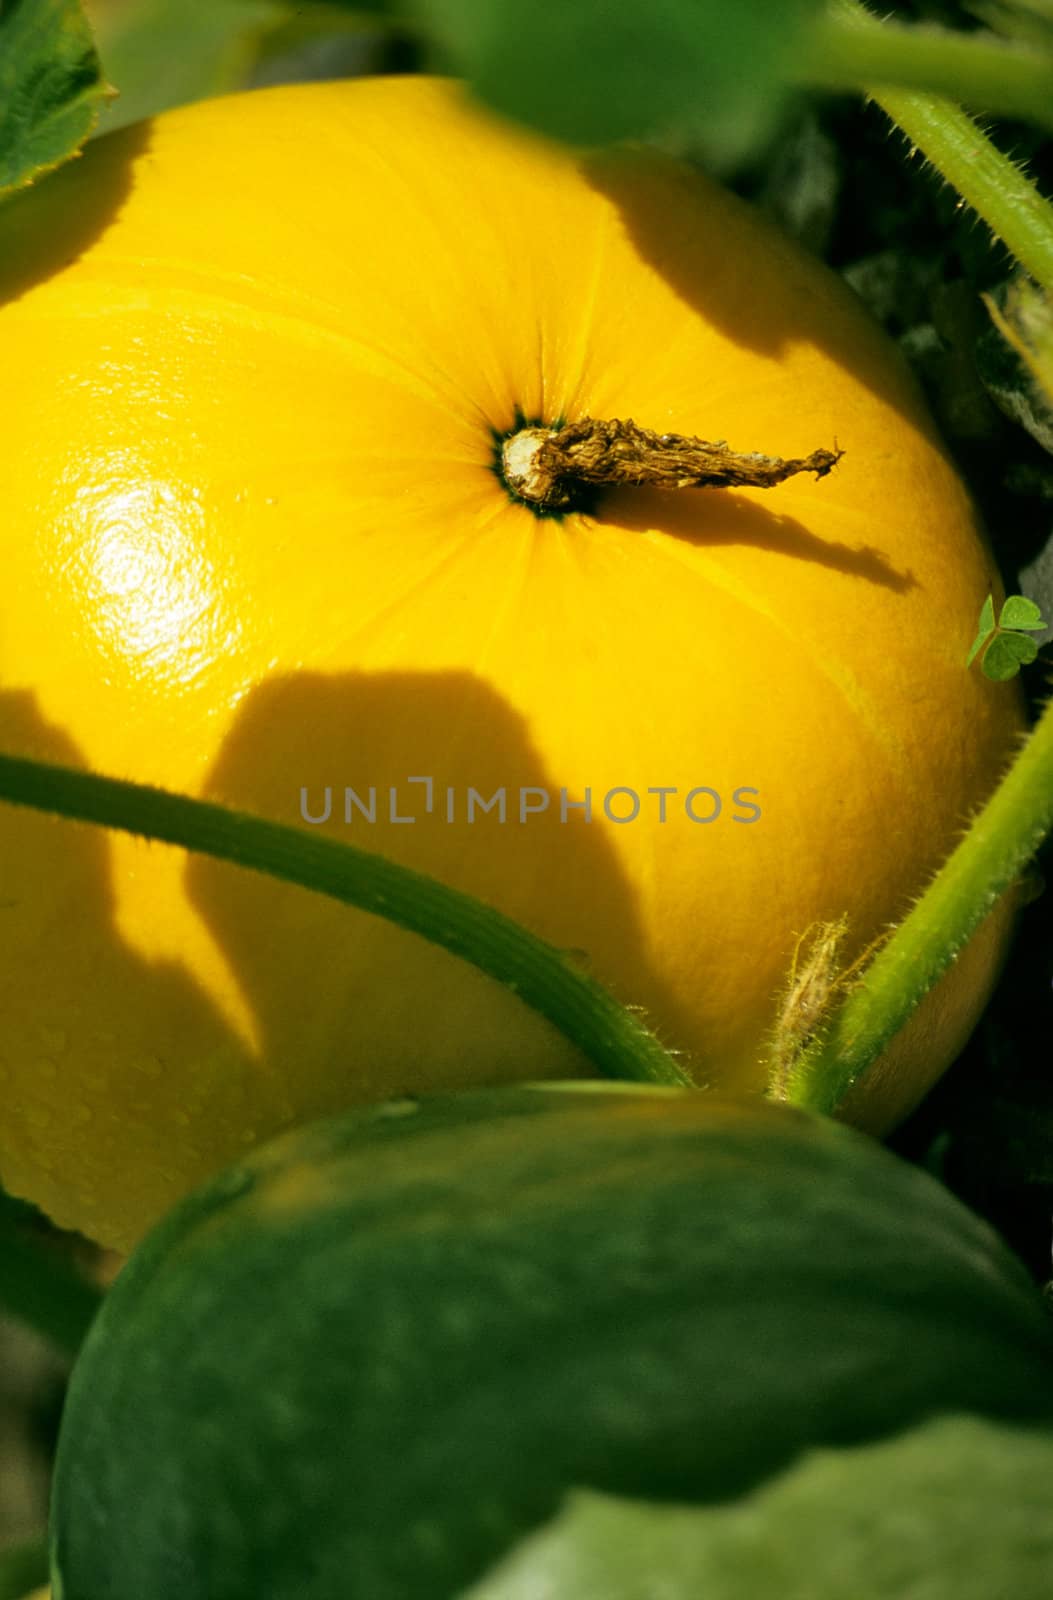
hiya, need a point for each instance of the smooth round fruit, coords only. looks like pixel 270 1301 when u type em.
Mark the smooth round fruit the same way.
pixel 371 1357
pixel 259 354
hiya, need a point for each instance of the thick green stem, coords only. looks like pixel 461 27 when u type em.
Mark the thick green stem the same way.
pixel 986 863
pixel 955 145
pixel 986 179
pixel 609 1035
pixel 851 50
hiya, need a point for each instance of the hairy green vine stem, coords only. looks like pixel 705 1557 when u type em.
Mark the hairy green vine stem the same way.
pixel 542 976
pixel 956 146
pixel 990 858
pixel 850 50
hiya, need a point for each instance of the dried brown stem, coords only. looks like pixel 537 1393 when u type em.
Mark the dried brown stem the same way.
pixel 546 466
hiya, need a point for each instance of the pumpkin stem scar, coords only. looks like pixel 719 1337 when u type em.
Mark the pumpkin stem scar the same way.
pixel 548 467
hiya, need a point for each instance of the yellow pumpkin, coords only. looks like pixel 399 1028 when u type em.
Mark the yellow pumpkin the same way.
pixel 259 356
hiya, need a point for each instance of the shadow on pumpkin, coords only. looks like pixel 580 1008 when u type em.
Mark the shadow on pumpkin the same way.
pixel 367 1008
pixel 128 1052
pixel 791 299
pixel 720 517
pixel 103 1049
pixel 44 229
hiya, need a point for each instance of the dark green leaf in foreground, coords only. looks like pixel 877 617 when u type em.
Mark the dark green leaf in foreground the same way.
pixel 600 70
pixel 374 1357
pixel 955 1509
pixel 51 87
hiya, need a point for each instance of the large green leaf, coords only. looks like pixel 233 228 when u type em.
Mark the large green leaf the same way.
pixel 51 87
pixel 955 1509
pixel 600 70
pixel 376 1355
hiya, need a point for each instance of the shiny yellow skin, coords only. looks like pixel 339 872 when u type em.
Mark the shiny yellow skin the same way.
pixel 255 353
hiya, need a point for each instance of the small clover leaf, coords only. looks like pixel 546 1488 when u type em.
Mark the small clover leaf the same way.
pixel 1005 650
pixel 1019 612
pixel 987 628
pixel 1006 654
